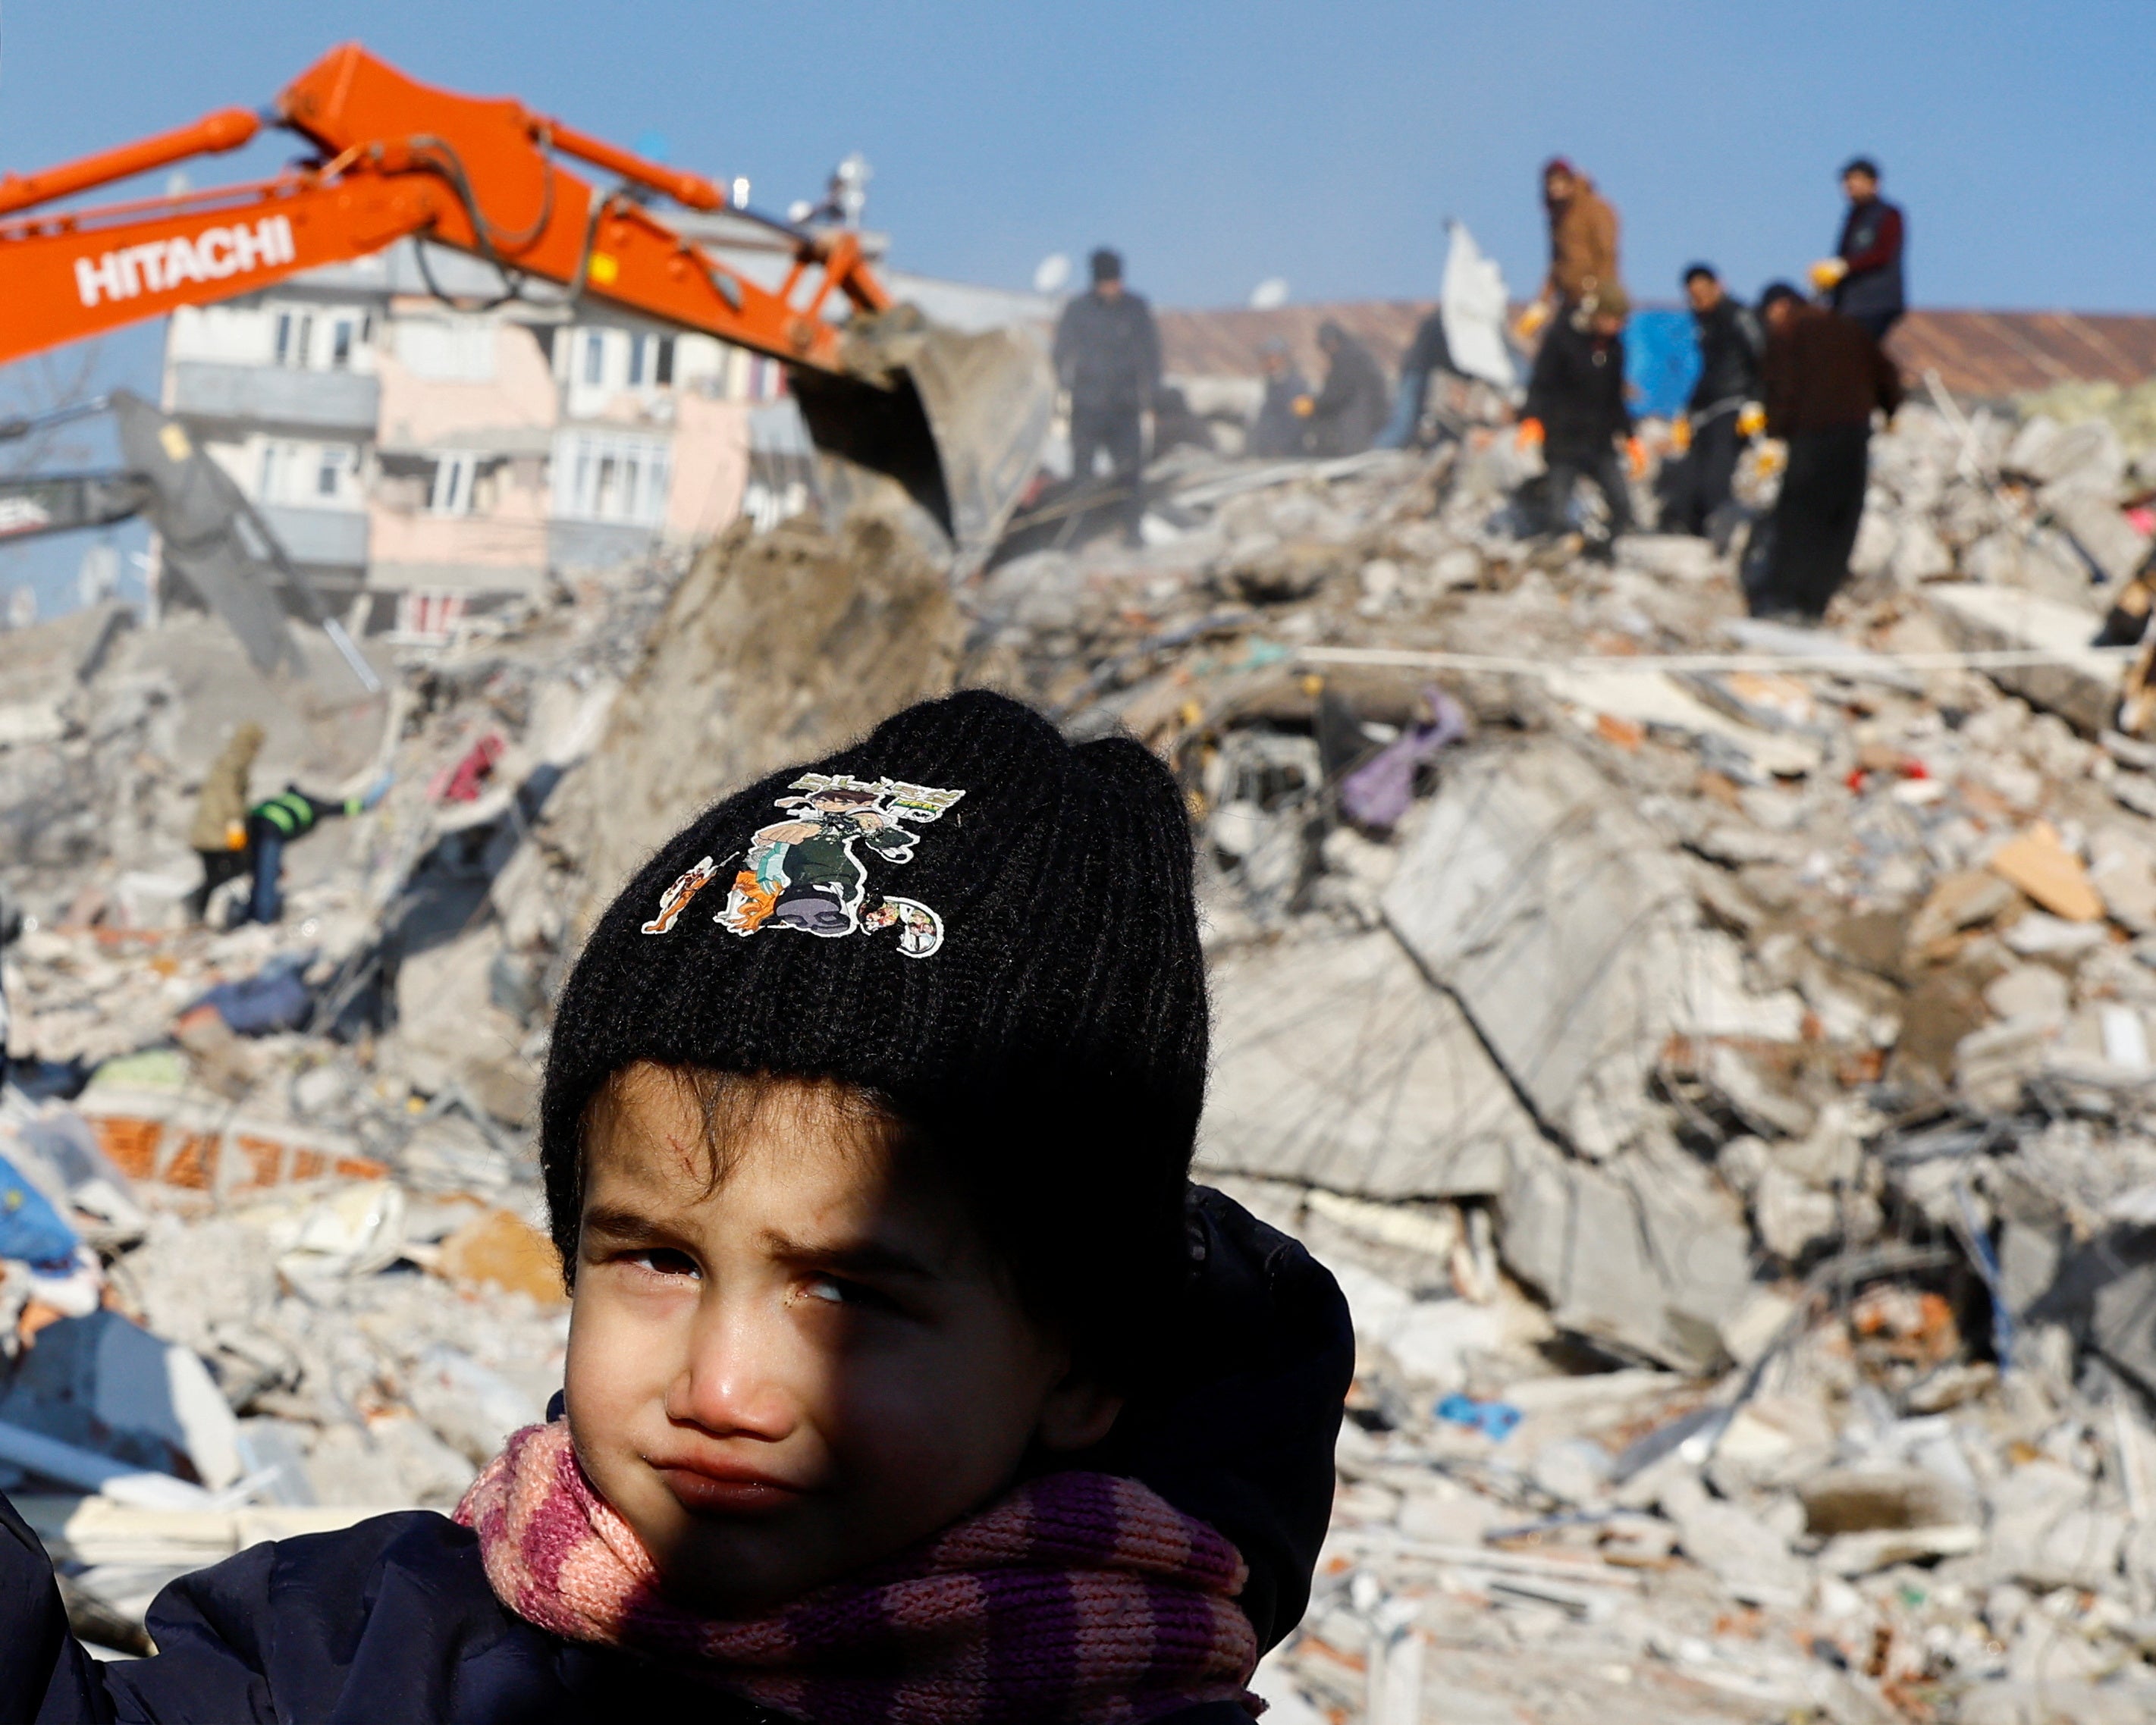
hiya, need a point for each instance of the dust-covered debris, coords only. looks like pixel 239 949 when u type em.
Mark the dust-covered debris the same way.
pixel 1714 1057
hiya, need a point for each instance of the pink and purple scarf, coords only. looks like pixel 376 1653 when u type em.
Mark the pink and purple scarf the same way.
pixel 1080 1598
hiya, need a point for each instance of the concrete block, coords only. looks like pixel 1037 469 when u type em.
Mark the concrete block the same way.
pixel 1564 925
pixel 1336 1063
pixel 2081 685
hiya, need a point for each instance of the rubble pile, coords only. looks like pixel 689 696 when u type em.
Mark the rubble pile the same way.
pixel 1713 1056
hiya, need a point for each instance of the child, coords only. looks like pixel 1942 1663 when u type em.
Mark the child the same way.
pixel 907 1377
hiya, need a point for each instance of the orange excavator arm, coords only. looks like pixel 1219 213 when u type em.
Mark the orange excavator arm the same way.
pixel 399 158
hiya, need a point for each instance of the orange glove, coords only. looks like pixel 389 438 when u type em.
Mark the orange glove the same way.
pixel 1681 433
pixel 1636 451
pixel 1529 435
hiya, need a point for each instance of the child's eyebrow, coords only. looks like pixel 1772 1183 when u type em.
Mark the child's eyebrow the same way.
pixel 618 1223
pixel 866 1257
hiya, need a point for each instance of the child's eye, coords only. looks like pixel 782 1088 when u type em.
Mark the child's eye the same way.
pixel 836 1290
pixel 661 1261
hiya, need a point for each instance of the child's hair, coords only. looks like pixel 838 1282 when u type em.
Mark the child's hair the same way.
pixel 1016 990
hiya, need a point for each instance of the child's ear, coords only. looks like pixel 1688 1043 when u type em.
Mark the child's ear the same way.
pixel 1078 1413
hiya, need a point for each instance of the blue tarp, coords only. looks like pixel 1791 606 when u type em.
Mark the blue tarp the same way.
pixel 31 1228
pixel 1662 361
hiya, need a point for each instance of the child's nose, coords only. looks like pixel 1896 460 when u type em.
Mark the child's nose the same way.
pixel 735 1381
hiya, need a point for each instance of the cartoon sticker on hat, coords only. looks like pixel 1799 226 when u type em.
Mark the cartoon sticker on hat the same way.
pixel 692 880
pixel 805 873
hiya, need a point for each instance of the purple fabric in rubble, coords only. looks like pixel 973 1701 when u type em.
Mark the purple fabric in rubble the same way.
pixel 1378 793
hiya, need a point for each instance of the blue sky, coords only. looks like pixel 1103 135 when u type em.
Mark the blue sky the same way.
pixel 1219 144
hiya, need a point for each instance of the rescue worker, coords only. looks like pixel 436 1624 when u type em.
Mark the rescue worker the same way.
pixel 1864 279
pixel 1823 378
pixel 1429 355
pixel 1107 357
pixel 284 820
pixel 219 833
pixel 1583 230
pixel 1722 414
pixel 1576 410
pixel 1347 414
pixel 1278 430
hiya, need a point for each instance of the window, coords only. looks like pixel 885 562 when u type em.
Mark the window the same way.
pixel 305 338
pixel 604 476
pixel 594 357
pixel 451 492
pixel 295 334
pixel 330 470
pixel 650 360
pixel 267 479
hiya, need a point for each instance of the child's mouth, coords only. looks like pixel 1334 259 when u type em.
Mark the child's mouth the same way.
pixel 719 1488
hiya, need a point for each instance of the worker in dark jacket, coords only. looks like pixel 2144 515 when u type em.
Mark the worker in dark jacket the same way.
pixel 286 817
pixel 1715 418
pixel 1107 358
pixel 1865 279
pixel 1279 430
pixel 1347 414
pixel 1576 410
pixel 1823 378
pixel 1429 355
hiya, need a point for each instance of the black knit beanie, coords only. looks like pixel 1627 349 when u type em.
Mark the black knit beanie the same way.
pixel 991 927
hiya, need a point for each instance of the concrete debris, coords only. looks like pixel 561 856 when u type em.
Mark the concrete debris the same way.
pixel 1722 1084
pixel 1335 1063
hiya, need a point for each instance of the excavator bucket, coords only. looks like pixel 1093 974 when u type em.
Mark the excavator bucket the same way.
pixel 956 420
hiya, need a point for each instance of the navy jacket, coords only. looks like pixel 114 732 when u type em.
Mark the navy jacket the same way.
pixel 1874 238
pixel 393 1619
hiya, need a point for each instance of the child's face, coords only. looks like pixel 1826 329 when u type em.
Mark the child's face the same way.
pixel 805 1369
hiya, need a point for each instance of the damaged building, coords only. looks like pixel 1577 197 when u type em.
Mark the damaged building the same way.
pixel 1715 1058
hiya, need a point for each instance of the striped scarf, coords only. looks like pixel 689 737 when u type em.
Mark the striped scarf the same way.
pixel 1079 1597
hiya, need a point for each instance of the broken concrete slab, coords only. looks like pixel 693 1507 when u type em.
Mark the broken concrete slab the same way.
pixel 1335 1063
pixel 2094 522
pixel 105 1384
pixel 2079 684
pixel 1561 921
pixel 1643 1258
